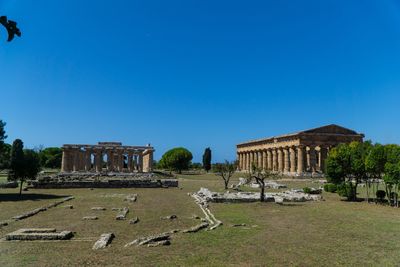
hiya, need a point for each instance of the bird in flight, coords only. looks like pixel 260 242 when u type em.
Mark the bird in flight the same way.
pixel 11 27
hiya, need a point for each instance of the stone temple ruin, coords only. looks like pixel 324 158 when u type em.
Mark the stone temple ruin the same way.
pixel 107 157
pixel 297 154
pixel 106 165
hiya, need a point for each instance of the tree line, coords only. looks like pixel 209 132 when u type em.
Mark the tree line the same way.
pixel 349 165
pixel 23 164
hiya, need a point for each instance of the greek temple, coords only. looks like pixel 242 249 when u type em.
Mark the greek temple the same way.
pixel 295 154
pixel 107 157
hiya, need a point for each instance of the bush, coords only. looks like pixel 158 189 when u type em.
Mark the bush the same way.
pixel 345 190
pixel 380 195
pixel 332 188
pixel 307 190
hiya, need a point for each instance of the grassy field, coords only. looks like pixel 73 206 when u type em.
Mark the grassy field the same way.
pixel 327 233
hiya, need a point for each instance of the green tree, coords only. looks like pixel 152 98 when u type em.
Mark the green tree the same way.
pixel 51 157
pixel 391 175
pixel 346 165
pixel 375 167
pixel 176 159
pixel 31 164
pixel 225 171
pixel 207 159
pixel 17 172
pixel 5 156
pixel 4 149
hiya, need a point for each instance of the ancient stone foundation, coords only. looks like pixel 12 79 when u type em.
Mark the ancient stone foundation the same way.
pixel 39 234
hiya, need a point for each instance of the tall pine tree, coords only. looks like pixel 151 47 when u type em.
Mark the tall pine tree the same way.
pixel 207 159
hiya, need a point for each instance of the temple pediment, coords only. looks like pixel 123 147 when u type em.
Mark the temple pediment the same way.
pixel 331 129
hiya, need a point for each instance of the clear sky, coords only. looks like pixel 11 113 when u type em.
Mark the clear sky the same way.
pixel 198 73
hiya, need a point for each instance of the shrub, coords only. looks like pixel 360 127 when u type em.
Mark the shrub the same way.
pixel 332 188
pixel 345 190
pixel 380 195
pixel 307 190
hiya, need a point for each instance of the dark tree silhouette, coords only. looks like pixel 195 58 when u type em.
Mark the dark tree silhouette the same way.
pixel 11 27
pixel 207 159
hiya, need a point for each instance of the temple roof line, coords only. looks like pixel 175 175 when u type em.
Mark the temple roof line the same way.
pixel 331 129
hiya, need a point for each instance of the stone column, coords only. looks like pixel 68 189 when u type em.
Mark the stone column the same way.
pixel 110 160
pixel 76 160
pixel 300 159
pixel 130 167
pixel 260 160
pixel 98 160
pixel 64 160
pixel 286 167
pixel 88 157
pixel 313 159
pixel 274 160
pixel 245 161
pixel 120 161
pixel 292 160
pixel 140 163
pixel 280 160
pixel 251 160
pixel 269 160
pixel 264 162
pixel 323 156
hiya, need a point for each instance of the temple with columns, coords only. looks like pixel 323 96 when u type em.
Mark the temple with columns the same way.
pixel 296 154
pixel 107 157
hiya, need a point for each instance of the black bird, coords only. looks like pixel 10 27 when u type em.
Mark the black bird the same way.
pixel 11 27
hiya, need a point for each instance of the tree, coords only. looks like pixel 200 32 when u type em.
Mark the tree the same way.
pixel 31 164
pixel 4 151
pixel 391 175
pixel 375 167
pixel 51 157
pixel 5 155
pixel 176 159
pixel 225 171
pixel 260 176
pixel 17 171
pixel 207 159
pixel 346 165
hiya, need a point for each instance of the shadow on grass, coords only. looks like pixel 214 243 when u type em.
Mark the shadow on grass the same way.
pixel 23 197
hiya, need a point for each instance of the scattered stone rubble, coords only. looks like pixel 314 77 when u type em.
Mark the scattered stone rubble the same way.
pixel 196 228
pixel 9 185
pixel 131 198
pixel 39 234
pixel 134 220
pixel 209 217
pixel 90 218
pixel 104 241
pixel 36 211
pixel 153 239
pixel 268 184
pixel 169 217
pixel 287 196
pixel 98 208
pixel 122 214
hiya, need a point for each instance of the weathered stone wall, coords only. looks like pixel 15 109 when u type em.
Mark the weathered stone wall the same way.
pixel 138 183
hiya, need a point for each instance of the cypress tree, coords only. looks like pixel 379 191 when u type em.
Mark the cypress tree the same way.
pixel 207 159
pixel 16 171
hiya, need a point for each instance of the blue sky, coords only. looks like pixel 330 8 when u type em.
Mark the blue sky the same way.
pixel 198 73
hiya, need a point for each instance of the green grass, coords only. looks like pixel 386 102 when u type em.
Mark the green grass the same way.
pixel 326 233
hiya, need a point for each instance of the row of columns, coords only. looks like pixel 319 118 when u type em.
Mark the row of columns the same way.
pixel 288 160
pixel 75 160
